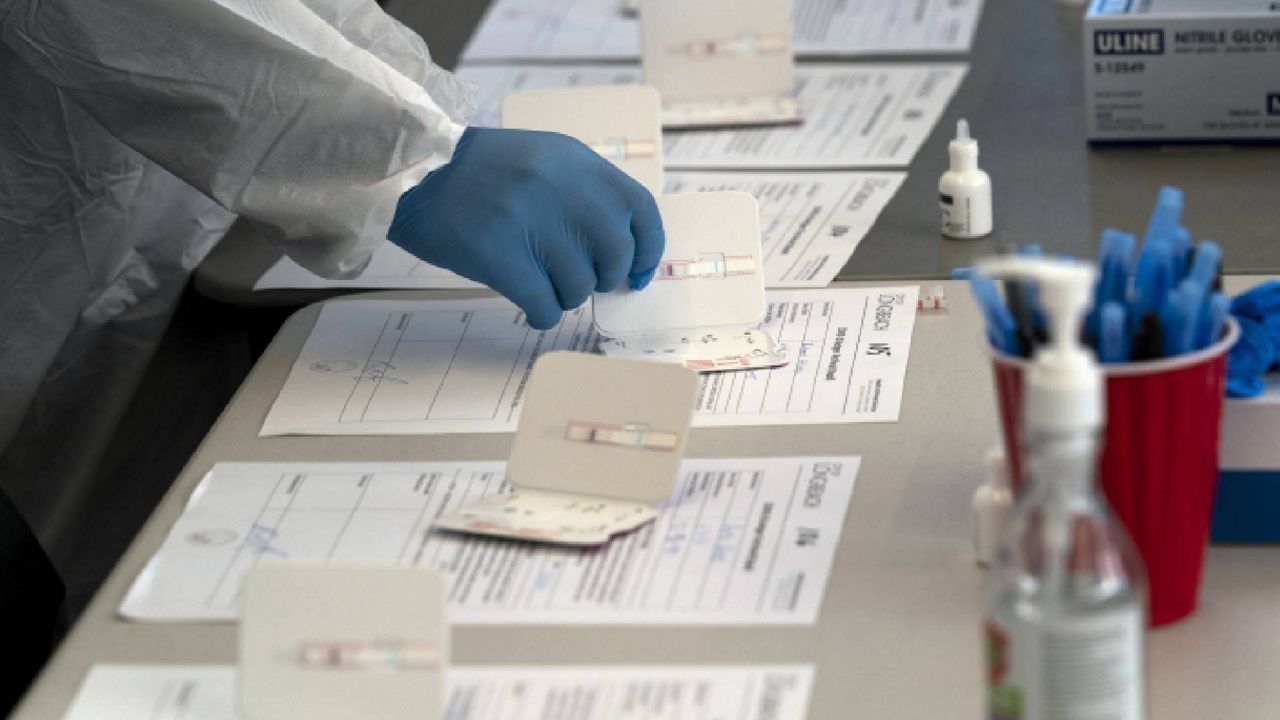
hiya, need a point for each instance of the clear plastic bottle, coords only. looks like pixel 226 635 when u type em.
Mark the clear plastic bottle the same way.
pixel 1066 606
pixel 1065 624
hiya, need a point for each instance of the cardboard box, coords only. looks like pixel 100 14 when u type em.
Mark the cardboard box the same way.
pixel 1182 70
pixel 1247 509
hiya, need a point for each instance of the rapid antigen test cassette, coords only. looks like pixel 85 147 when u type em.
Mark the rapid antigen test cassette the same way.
pixel 623 123
pixel 720 62
pixel 706 300
pixel 599 445
pixel 333 642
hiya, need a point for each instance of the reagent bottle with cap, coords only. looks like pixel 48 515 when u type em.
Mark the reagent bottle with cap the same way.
pixel 964 191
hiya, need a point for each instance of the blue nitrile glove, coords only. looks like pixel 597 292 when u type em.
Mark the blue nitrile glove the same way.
pixel 1272 326
pixel 537 216
pixel 1252 354
pixel 1262 305
pixel 1259 303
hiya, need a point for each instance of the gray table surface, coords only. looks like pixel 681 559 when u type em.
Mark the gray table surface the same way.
pixel 1024 100
pixel 898 635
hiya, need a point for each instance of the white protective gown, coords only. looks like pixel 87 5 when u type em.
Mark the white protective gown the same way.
pixel 132 132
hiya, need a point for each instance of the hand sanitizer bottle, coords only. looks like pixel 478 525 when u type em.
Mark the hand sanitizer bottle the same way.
pixel 1066 603
pixel 964 192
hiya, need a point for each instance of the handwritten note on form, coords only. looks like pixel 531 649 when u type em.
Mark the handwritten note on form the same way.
pixel 745 692
pixel 744 541
pixel 810 223
pixel 599 29
pixel 391 367
pixel 855 116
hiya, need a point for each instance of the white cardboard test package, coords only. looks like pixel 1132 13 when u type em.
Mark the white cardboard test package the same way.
pixel 720 62
pixel 707 297
pixel 327 642
pixel 1182 69
pixel 623 123
pixel 599 444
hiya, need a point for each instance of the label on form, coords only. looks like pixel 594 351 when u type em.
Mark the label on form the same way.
pixel 1087 668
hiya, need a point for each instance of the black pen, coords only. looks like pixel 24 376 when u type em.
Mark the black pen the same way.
pixel 1148 341
pixel 1024 324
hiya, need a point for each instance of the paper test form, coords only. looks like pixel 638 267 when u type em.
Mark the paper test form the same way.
pixel 811 222
pixel 378 367
pixel 722 550
pixel 599 30
pixel 855 116
pixel 747 692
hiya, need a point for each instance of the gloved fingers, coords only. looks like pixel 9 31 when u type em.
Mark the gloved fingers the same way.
pixel 606 240
pixel 646 228
pixel 526 285
pixel 614 251
pixel 651 240
pixel 639 281
pixel 573 277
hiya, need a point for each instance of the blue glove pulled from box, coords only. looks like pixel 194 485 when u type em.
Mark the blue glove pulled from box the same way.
pixel 1258 351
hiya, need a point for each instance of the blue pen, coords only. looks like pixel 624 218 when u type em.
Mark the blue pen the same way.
pixel 1182 249
pixel 1000 325
pixel 1206 259
pixel 1204 267
pixel 1215 321
pixel 1164 216
pixel 962 273
pixel 1115 255
pixel 1122 247
pixel 1113 340
pixel 1153 279
pixel 1178 318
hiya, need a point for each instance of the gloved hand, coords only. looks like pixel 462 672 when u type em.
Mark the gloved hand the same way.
pixel 537 216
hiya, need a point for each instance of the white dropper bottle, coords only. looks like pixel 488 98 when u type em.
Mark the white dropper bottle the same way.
pixel 1066 603
pixel 965 190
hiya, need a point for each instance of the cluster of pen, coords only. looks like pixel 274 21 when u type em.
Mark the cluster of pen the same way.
pixel 1161 300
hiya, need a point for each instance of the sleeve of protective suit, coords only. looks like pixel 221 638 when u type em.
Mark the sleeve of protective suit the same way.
pixel 308 117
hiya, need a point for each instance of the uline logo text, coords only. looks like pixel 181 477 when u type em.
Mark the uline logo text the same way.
pixel 1128 42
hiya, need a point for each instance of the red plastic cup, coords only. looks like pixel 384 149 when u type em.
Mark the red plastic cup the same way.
pixel 1159 466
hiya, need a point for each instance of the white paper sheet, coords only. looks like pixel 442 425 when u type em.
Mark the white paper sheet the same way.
pixel 598 29
pixel 855 116
pixel 744 541
pixel 391 367
pixel 811 222
pixel 746 692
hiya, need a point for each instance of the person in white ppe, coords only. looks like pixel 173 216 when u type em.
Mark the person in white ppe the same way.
pixel 132 134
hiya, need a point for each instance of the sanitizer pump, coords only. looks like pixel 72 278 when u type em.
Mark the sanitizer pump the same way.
pixel 1066 619
pixel 965 191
